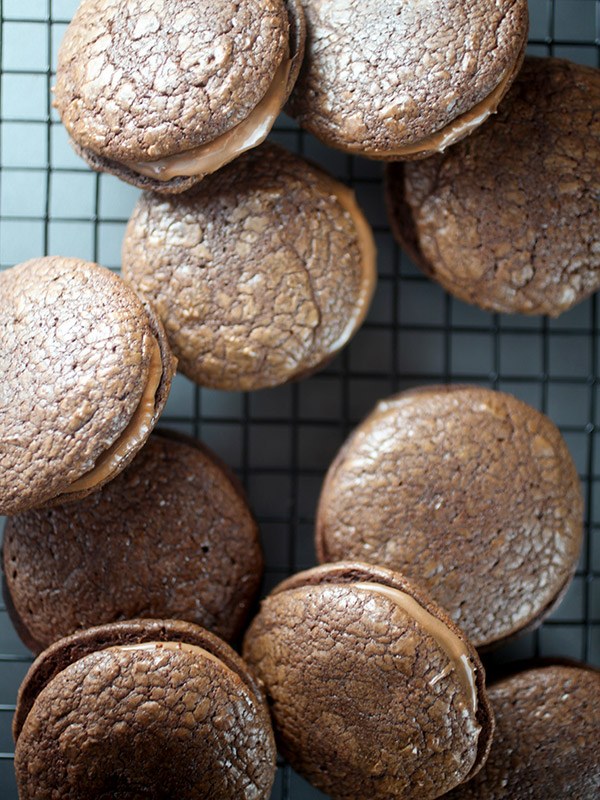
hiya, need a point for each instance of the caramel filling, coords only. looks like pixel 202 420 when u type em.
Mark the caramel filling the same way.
pixel 368 251
pixel 192 649
pixel 456 129
pixel 137 430
pixel 208 158
pixel 453 647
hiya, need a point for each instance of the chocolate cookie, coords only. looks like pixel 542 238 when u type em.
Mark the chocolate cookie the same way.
pixel 86 371
pixel 260 276
pixel 468 491
pixel 161 94
pixel 546 740
pixel 507 220
pixel 374 692
pixel 142 709
pixel 172 536
pixel 401 80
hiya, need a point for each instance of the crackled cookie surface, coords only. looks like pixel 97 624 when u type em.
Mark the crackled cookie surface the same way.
pixel 379 79
pixel 85 374
pixel 468 491
pixel 171 536
pixel 142 709
pixel 373 691
pixel 546 739
pixel 260 276
pixel 143 80
pixel 507 219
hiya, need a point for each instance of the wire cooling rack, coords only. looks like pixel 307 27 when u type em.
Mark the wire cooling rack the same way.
pixel 281 441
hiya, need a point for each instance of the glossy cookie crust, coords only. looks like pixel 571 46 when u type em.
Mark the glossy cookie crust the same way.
pixel 382 76
pixel 136 81
pixel 365 700
pixel 471 493
pixel 261 275
pixel 507 219
pixel 77 349
pixel 142 709
pixel 171 536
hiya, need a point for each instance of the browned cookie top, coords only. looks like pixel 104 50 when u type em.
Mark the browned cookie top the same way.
pixel 546 740
pixel 260 276
pixel 468 491
pixel 372 695
pixel 171 536
pixel 142 79
pixel 71 648
pixel 145 715
pixel 508 218
pixel 381 75
pixel 179 171
pixel 77 351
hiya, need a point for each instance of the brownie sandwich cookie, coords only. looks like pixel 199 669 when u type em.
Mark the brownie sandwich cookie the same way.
pixel 403 79
pixel 507 220
pixel 142 709
pixel 546 740
pixel 471 493
pixel 162 93
pixel 86 371
pixel 261 275
pixel 172 536
pixel 373 691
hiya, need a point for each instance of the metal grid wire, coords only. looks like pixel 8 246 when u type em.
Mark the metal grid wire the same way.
pixel 281 441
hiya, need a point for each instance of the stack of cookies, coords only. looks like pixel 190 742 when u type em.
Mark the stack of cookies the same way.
pixel 449 523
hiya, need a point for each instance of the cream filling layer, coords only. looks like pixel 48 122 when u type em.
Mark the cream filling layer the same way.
pixel 368 252
pixel 453 647
pixel 210 157
pixel 192 649
pixel 136 431
pixel 456 129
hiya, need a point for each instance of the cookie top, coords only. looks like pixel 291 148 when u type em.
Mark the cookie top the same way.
pixel 143 95
pixel 86 373
pixel 380 78
pixel 373 691
pixel 470 492
pixel 142 708
pixel 507 219
pixel 136 78
pixel 546 739
pixel 171 536
pixel 260 276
